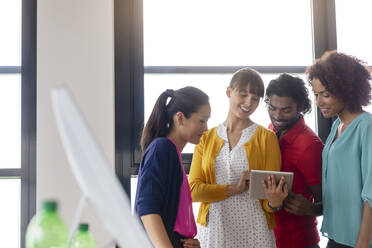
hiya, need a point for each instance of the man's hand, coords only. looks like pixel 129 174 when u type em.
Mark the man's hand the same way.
pixel 297 204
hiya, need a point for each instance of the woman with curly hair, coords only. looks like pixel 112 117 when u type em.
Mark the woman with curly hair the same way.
pixel 341 85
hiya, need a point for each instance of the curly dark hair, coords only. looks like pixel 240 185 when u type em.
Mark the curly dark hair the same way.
pixel 345 77
pixel 287 85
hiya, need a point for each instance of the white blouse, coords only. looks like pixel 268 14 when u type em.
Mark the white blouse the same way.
pixel 237 221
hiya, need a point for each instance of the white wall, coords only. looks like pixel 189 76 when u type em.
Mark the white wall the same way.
pixel 75 47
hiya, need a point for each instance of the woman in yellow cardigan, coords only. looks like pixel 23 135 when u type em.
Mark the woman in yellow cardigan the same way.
pixel 219 175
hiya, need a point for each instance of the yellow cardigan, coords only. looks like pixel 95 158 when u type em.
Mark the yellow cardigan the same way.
pixel 263 153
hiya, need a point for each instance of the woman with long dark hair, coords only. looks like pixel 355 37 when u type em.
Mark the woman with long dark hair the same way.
pixel 163 199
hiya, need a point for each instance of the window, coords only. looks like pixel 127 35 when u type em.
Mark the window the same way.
pixel 18 125
pixel 10 127
pixel 353 21
pixel 10 21
pixel 221 37
pixel 225 33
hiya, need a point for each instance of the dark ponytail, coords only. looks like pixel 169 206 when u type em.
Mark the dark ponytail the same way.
pixel 186 100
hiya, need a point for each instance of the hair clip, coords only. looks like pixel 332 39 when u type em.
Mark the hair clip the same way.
pixel 169 92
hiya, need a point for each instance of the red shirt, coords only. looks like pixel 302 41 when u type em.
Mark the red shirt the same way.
pixel 301 152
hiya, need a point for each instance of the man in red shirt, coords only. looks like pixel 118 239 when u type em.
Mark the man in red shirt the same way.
pixel 287 101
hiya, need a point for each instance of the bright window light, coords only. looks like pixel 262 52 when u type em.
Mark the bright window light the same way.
pixel 225 33
pixel 10 32
pixel 354 35
pixel 10 125
pixel 10 195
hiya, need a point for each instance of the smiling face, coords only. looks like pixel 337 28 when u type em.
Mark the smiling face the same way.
pixel 242 101
pixel 192 128
pixel 283 112
pixel 329 105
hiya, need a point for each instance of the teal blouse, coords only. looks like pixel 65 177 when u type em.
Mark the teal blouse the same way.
pixel 347 179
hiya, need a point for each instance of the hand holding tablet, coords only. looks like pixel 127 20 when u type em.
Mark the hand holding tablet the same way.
pixel 256 189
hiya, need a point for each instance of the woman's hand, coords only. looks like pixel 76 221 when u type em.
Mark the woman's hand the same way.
pixel 190 243
pixel 275 193
pixel 241 186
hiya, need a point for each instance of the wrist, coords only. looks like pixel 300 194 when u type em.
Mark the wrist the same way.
pixel 231 190
pixel 274 208
pixel 316 208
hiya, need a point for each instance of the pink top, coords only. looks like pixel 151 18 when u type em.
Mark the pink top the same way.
pixel 185 221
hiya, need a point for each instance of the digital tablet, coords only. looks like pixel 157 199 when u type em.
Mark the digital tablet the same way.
pixel 256 189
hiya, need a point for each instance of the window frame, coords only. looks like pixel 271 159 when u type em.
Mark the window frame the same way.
pixel 129 77
pixel 27 172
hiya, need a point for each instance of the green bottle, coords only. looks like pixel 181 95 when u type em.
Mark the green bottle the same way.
pixel 82 238
pixel 47 229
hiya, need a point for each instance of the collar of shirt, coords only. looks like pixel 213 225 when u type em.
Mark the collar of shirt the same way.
pixel 293 132
pixel 222 132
